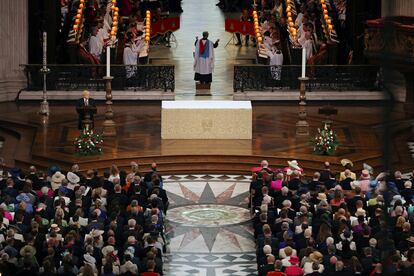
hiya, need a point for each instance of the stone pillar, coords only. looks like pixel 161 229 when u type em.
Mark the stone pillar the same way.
pixel 13 47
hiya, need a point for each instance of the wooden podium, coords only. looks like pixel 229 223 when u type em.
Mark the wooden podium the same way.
pixel 203 89
pixel 86 116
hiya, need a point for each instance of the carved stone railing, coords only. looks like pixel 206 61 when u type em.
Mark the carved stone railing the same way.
pixel 321 77
pixel 391 38
pixel 80 77
pixel 389 41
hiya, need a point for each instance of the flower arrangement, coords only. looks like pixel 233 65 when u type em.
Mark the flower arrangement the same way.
pixel 88 143
pixel 325 141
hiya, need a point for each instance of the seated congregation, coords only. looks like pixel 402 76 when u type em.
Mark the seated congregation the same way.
pixel 333 224
pixel 55 223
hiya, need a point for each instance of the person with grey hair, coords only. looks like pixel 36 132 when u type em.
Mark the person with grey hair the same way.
pixel 85 102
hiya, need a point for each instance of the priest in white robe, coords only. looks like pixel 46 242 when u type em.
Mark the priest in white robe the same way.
pixel 204 59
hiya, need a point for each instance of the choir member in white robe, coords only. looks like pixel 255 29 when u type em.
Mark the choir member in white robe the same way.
pixel 275 61
pixel 95 44
pixel 130 57
pixel 204 59
pixel 306 42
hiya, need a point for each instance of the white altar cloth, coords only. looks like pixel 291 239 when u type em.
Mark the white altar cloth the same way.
pixel 206 120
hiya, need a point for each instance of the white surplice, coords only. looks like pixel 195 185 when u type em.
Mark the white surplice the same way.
pixel 204 66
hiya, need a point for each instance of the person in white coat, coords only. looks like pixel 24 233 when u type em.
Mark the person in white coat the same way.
pixel 204 59
pixel 275 61
pixel 95 44
pixel 130 57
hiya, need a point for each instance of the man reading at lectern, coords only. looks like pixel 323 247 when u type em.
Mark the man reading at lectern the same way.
pixel 84 102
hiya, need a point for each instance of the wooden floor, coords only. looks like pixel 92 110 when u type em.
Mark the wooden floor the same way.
pixel 29 140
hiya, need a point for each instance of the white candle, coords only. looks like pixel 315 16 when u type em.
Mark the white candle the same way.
pixel 44 51
pixel 303 62
pixel 108 61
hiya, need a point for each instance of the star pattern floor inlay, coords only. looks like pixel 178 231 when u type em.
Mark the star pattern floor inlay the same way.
pixel 208 226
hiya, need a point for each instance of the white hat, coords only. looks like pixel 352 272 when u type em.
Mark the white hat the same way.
pixel 58 177
pixel 109 249
pixel 360 212
pixel 96 233
pixel 355 184
pixel 294 164
pixel 89 259
pixel 368 168
pixel 395 198
pixel 131 267
pixel 345 162
pixel 72 178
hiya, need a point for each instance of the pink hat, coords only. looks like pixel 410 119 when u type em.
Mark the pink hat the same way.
pixel 365 174
pixel 294 260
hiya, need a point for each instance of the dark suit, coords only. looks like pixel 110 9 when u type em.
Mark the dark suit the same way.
pixel 79 105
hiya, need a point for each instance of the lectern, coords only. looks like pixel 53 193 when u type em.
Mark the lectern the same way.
pixel 86 116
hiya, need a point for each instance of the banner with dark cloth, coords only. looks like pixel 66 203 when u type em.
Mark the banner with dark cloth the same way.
pixel 162 26
pixel 237 26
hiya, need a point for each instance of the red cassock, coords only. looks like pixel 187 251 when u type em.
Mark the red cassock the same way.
pixel 87 57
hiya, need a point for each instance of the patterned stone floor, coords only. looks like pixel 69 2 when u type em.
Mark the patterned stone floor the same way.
pixel 208 226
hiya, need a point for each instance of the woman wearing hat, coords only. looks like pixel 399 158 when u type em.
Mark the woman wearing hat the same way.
pixel 28 261
pixel 314 257
pixel 348 165
pixel 294 269
pixel 56 180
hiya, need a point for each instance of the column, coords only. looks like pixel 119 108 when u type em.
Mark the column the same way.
pixel 13 47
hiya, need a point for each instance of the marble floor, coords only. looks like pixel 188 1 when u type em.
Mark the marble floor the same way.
pixel 199 16
pixel 208 226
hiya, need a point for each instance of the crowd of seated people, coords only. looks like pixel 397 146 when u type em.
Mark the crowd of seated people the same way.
pixel 310 33
pixel 73 223
pixel 347 223
pixel 97 27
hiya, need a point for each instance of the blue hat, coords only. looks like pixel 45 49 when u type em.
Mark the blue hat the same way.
pixel 63 189
pixel 52 169
pixel 15 172
pixel 23 197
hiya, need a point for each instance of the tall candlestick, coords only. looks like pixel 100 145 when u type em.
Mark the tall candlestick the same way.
pixel 108 61
pixel 303 62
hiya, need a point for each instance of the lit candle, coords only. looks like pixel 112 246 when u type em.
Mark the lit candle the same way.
pixel 303 62
pixel 108 61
